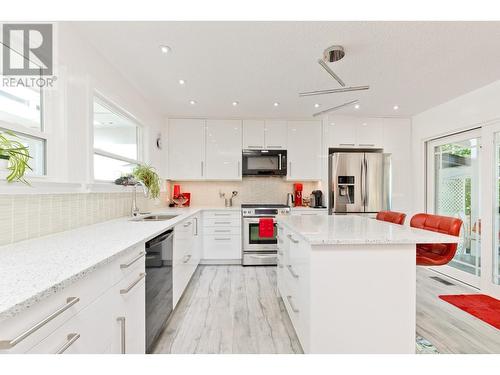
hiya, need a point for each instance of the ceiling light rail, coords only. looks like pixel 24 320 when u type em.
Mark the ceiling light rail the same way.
pixel 336 108
pixel 334 91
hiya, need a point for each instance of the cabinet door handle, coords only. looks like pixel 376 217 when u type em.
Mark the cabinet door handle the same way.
pixel 290 268
pixel 7 344
pixel 290 169
pixel 71 338
pixel 273 146
pixel 292 305
pixel 346 144
pixel 239 174
pixel 187 224
pixel 367 144
pixel 123 332
pixel 196 226
pixel 186 258
pixel 222 239
pixel 127 265
pixel 129 288
pixel 255 147
pixel 202 169
pixel 222 231
pixel 292 239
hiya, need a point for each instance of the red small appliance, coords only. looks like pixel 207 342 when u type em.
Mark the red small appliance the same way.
pixel 297 189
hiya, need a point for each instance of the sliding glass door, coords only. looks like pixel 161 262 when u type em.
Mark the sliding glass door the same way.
pixel 453 167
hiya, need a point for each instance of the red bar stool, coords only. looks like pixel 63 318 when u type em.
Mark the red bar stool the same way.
pixel 436 254
pixel 391 217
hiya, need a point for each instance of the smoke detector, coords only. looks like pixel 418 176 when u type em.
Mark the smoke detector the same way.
pixel 333 53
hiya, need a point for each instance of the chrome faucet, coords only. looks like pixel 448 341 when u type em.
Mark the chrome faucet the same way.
pixel 135 210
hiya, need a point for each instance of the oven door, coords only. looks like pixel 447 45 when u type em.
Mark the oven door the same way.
pixel 251 239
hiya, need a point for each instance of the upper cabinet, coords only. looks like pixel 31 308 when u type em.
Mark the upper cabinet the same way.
pixel 354 132
pixel 253 134
pixel 304 150
pixel 186 149
pixel 268 134
pixel 223 150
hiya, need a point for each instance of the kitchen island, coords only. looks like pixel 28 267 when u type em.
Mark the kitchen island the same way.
pixel 348 282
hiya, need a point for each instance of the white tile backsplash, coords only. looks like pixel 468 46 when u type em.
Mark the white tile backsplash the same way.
pixel 34 215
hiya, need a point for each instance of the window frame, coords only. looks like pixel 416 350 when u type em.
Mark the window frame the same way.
pixel 118 110
pixel 38 134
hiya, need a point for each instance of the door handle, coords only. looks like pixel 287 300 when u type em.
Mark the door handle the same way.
pixel 292 305
pixel 292 239
pixel 121 319
pixel 362 182
pixel 71 338
pixel 366 182
pixel 186 258
pixel 290 268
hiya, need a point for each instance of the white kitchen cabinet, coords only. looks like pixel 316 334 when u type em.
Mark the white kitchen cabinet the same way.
pixel 186 149
pixel 222 237
pixel 276 134
pixel 362 132
pixel 304 150
pixel 253 134
pixel 223 149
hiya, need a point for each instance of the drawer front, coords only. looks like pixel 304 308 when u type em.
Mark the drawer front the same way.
pixel 221 247
pixel 128 263
pixel 221 214
pixel 222 222
pixel 223 231
pixel 88 332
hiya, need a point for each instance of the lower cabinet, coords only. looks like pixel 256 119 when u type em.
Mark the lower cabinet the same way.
pixel 222 237
pixel 187 254
pixel 101 313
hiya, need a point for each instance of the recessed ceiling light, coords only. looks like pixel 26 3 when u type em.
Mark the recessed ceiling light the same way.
pixel 235 103
pixel 396 107
pixel 165 49
pixel 181 82
pixel 356 106
pixel 317 105
pixel 192 102
pixel 276 104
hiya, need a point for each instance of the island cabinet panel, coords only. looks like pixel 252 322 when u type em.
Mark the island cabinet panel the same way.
pixel 342 298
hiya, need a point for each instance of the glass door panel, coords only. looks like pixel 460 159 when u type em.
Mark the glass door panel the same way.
pixel 456 192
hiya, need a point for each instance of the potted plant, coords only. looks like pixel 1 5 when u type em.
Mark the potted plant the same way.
pixel 14 157
pixel 144 175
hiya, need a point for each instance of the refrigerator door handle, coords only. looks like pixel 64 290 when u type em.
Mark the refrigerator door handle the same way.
pixel 362 182
pixel 366 184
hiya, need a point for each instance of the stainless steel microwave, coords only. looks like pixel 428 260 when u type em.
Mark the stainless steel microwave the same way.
pixel 264 163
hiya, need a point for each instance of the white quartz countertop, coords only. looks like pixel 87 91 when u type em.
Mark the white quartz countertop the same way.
pixel 35 269
pixel 356 230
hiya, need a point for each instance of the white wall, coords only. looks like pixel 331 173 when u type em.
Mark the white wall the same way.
pixel 81 72
pixel 468 111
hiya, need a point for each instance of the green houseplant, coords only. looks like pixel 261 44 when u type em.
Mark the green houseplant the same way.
pixel 148 176
pixel 17 156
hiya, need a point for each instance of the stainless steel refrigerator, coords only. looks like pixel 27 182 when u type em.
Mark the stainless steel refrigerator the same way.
pixel 359 182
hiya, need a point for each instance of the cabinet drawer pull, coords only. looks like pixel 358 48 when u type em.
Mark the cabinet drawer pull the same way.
pixel 121 319
pixel 186 258
pixel 255 147
pixel 346 144
pixel 7 344
pixel 292 272
pixel 187 224
pixel 292 305
pixel 367 144
pixel 292 239
pixel 71 338
pixel 273 146
pixel 222 239
pixel 222 222
pixel 129 288
pixel 222 231
pixel 222 214
pixel 127 265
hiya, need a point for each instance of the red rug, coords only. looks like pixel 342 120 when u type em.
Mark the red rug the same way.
pixel 481 306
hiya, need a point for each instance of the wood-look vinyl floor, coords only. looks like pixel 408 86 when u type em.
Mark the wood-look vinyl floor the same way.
pixel 234 309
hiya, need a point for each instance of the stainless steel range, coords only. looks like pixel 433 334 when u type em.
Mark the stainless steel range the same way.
pixel 260 250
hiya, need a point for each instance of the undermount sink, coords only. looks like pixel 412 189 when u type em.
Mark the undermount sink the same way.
pixel 155 218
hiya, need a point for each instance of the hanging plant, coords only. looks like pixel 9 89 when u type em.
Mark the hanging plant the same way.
pixel 17 156
pixel 148 176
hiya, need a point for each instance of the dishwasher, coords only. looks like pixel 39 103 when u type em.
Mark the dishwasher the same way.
pixel 159 301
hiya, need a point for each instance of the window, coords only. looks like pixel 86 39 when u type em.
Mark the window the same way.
pixel 116 141
pixel 21 111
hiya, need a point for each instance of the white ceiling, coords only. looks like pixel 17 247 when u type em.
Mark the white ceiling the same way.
pixel 415 65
